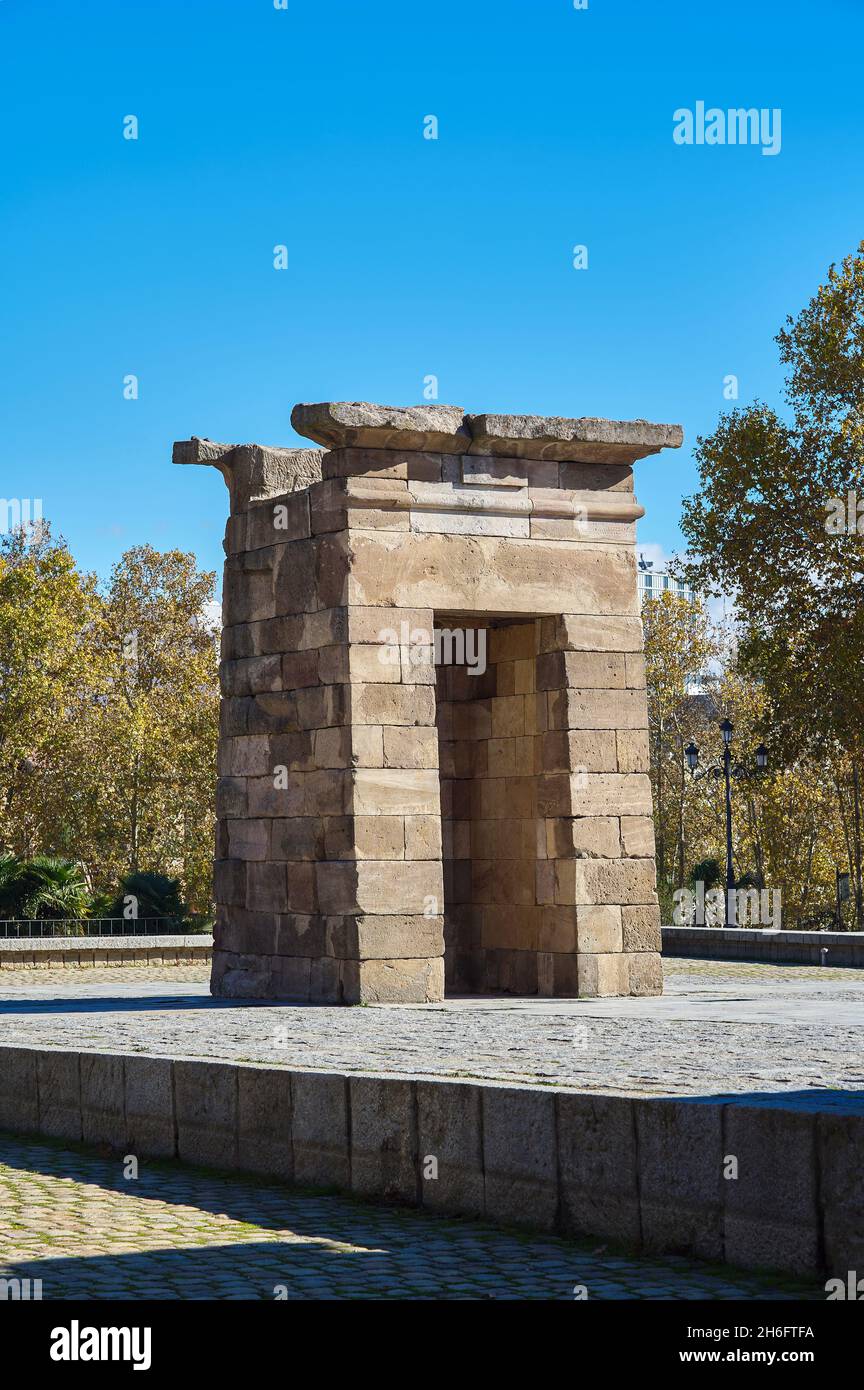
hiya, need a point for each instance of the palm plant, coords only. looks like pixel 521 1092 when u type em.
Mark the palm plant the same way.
pixel 153 895
pixel 45 887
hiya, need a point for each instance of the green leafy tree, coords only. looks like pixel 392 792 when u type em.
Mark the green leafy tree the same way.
pixel 759 527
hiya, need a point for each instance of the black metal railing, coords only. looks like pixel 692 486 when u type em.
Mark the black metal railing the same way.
pixel 20 928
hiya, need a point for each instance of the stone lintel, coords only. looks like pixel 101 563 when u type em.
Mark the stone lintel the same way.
pixel 361 425
pixel 445 429
pixel 586 440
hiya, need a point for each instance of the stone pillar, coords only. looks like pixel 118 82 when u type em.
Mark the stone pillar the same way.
pixel 333 879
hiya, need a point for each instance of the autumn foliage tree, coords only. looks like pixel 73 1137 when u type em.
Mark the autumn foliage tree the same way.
pixel 108 713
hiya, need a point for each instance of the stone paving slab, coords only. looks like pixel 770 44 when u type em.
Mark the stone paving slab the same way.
pixel 720 1028
pixel 71 1219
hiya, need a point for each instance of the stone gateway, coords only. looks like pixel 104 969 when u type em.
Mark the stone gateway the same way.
pixel 433 760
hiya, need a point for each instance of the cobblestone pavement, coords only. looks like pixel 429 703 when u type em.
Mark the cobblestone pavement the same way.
pixel 72 1220
pixel 721 1027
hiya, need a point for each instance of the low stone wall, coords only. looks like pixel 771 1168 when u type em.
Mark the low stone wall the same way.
pixel 52 953
pixel 738 943
pixel 646 1173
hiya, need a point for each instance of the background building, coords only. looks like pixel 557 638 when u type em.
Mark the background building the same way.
pixel 654 579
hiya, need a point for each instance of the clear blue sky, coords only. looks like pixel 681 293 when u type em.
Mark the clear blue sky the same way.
pixel 407 256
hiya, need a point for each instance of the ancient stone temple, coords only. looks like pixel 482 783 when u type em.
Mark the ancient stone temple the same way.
pixel 433 767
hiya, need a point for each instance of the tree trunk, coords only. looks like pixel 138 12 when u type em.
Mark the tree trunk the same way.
pixel 859 905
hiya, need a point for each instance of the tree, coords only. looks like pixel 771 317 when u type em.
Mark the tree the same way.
pixel 152 895
pixel 757 528
pixel 108 715
pixel 679 644
pixel 49 621
pixel 152 730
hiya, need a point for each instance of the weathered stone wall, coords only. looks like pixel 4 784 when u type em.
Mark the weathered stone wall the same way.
pixel 329 875
pixel 643 1172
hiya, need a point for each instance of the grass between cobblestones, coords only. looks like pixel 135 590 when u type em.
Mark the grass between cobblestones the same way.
pixel 71 1219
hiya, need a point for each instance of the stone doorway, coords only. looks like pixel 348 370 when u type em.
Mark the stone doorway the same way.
pixel 329 872
pixel 497 887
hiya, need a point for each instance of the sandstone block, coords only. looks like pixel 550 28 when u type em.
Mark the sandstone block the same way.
pixel 229 882
pixel 422 837
pixel 619 881
pixel 384 1158
pixel 325 628
pixel 319 1129
pixel 362 425
pixel 566 750
pixel 367 745
pixel 557 931
pixel 598 1167
pixel 486 573
pixel 597 709
pixel 150 1106
pixel 840 1138
pixel 449 1131
pixel 264 1121
pixel 590 633
pixel 415 981
pixel 297 837
pixel 486 471
pixel 285 518
pixel 771 1224
pixel 245 757
pixel 377 664
pixel 641 928
pixel 103 1099
pixel 681 1182
pixel 395 791
pixel 614 794
pixel 19 1096
pixel 598 929
pixel 645 973
pixel 389 704
pixel 635 667
pixel 368 463
pixel 206 1101
pixel 267 888
pixel 632 750
pixel 585 440
pixel 323 706
pixel 637 835
pixel 580 670
pixel 602 976
pixel 59 1081
pixel 275 712
pixel 402 937
pixel 597 477
pixel 332 748
pixel 410 747
pixel 589 837
pixel 294 577
pixel 519 1156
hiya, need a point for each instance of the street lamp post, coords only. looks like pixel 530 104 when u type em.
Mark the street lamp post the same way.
pixel 727 770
